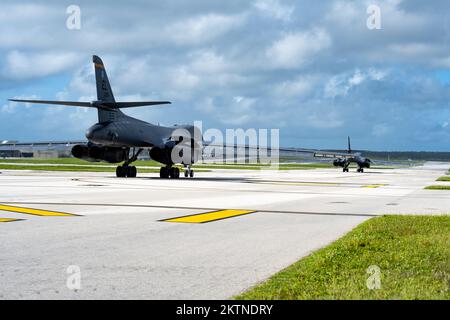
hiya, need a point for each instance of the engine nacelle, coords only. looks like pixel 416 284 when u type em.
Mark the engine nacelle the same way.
pixel 365 164
pixel 97 153
pixel 183 154
pixel 162 155
pixel 339 163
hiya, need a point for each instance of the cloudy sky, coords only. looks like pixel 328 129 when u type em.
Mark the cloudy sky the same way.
pixel 313 69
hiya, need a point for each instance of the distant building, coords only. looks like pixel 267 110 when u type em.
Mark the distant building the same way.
pixel 15 149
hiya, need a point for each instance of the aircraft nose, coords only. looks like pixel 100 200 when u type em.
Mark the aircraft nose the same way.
pixel 89 133
pixel 93 131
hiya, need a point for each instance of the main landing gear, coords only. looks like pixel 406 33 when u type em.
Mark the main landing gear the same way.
pixel 169 172
pixel 361 170
pixel 174 172
pixel 126 170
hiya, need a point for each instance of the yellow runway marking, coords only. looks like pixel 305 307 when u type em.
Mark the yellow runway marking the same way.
pixel 209 216
pixel 293 183
pixel 9 220
pixel 373 186
pixel 35 212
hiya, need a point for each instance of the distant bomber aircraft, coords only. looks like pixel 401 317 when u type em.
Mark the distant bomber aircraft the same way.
pixel 345 159
pixel 115 134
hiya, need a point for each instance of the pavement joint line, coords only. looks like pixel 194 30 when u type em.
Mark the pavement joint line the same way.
pixel 315 184
pixel 211 216
pixel 202 208
pixel 35 212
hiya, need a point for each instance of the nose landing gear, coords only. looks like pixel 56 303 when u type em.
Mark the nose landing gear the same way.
pixel 188 172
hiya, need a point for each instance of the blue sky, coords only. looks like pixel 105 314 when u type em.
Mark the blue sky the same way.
pixel 312 69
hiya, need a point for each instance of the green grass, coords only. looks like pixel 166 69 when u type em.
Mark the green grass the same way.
pixel 69 168
pixel 444 178
pixel 438 187
pixel 258 166
pixel 413 253
pixel 68 161
pixel 150 163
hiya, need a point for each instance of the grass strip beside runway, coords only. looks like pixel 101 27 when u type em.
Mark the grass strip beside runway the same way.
pixel 412 253
pixel 436 187
pixel 69 168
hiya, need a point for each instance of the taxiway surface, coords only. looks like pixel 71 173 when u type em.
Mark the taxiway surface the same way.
pixel 128 241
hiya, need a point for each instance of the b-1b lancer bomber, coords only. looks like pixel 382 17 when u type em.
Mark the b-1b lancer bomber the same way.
pixel 120 138
pixel 345 159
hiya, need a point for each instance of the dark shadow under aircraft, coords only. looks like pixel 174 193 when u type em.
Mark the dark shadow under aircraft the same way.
pixel 345 159
pixel 120 138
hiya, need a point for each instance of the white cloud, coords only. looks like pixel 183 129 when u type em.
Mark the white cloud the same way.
pixel 287 60
pixel 237 111
pixel 299 87
pixel 203 28
pixel 208 61
pixel 379 130
pixel 407 50
pixel 11 106
pixel 341 84
pixel 356 79
pixel 295 50
pixel 274 9
pixel 21 65
pixel 328 120
pixel 377 74
pixel 182 79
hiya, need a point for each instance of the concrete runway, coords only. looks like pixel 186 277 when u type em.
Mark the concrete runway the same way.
pixel 125 251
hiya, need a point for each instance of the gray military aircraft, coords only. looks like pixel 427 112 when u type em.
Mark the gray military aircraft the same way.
pixel 120 138
pixel 345 159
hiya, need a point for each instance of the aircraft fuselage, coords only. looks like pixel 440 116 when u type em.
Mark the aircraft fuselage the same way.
pixel 130 132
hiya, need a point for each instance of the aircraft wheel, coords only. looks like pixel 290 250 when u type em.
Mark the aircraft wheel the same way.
pixel 362 170
pixel 186 173
pixel 164 172
pixel 191 174
pixel 120 172
pixel 131 172
pixel 174 172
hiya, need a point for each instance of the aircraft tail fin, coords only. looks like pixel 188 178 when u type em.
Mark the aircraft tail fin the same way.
pixel 104 92
pixel 106 97
pixel 108 108
pixel 349 145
